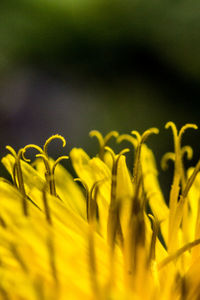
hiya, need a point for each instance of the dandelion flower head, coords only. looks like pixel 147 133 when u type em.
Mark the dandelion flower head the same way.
pixel 109 233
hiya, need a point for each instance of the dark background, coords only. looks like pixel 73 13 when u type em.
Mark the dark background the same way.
pixel 70 66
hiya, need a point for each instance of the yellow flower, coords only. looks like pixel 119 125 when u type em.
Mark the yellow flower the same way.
pixel 108 234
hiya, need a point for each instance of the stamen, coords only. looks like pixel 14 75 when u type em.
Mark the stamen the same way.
pixel 46 206
pixel 43 153
pixel 173 127
pixel 191 180
pixel 147 133
pixel 93 208
pixel 48 175
pixel 92 263
pixel 86 196
pixel 122 152
pixel 111 152
pixel 137 135
pixel 91 201
pixel 129 138
pixel 113 225
pixel 189 152
pixel 152 253
pixel 109 136
pixel 135 248
pixel 12 151
pixel 166 157
pixel 141 139
pixel 19 172
pixel 135 253
pixel 15 175
pixel 176 208
pixel 171 156
pixel 18 177
pixel 58 160
pixel 179 169
pixel 29 147
pixel 132 140
pixel 178 253
pixel 103 140
pixel 185 127
pixel 46 162
pixel 99 137
pixel 179 212
pixel 49 140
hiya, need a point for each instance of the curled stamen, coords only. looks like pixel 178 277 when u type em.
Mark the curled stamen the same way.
pixel 115 157
pixel 178 136
pixel 12 151
pixel 44 155
pixel 129 138
pixel 177 149
pixel 147 133
pixel 110 135
pixel 134 141
pixel 188 150
pixel 29 147
pixel 137 135
pixel 49 140
pixel 103 140
pixel 173 127
pixel 99 137
pixel 166 157
pixel 185 127
pixel 110 151
pixel 141 139
pixel 126 150
pixel 171 156
pixel 58 160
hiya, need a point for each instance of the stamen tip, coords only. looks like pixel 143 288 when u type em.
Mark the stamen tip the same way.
pixel 168 124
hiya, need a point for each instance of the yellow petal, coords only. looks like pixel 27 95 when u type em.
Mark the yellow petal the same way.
pixel 153 191
pixel 124 193
pixel 91 171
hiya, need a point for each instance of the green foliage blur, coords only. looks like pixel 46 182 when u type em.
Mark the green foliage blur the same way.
pixel 70 66
pixel 50 32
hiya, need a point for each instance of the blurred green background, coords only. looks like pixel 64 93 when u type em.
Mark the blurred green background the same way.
pixel 70 66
